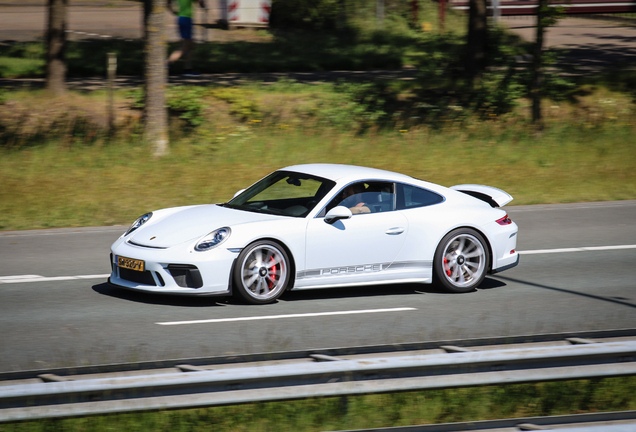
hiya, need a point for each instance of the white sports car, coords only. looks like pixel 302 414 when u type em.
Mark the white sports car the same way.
pixel 317 226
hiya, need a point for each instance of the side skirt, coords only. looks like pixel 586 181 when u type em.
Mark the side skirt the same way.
pixel 361 284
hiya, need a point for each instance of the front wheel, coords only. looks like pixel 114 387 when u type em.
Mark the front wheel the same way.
pixel 262 272
pixel 461 260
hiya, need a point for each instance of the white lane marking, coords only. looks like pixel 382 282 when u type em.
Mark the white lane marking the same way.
pixel 37 278
pixel 581 249
pixel 572 206
pixel 18 277
pixel 273 317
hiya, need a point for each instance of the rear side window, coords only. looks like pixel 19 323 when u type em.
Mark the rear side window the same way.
pixel 413 197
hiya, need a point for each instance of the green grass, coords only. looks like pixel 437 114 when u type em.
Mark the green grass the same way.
pixel 22 60
pixel 372 411
pixel 65 184
pixel 12 67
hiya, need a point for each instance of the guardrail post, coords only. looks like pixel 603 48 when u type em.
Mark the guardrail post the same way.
pixel 112 71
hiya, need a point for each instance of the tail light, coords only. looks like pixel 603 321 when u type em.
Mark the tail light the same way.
pixel 504 220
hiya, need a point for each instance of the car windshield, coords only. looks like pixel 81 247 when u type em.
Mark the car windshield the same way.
pixel 283 193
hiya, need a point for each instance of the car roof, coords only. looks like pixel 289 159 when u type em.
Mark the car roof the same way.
pixel 338 172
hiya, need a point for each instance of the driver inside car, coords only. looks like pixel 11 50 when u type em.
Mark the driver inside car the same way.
pixel 352 199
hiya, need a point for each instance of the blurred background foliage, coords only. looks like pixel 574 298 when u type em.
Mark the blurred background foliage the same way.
pixel 430 123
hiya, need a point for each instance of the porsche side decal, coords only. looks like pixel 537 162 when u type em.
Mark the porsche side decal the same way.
pixel 366 268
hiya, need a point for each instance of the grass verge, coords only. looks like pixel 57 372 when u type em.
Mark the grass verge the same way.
pixel 371 411
pixel 61 184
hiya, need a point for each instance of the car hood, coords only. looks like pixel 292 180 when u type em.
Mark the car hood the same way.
pixel 191 223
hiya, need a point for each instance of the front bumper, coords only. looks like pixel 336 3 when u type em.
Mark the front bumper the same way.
pixel 176 270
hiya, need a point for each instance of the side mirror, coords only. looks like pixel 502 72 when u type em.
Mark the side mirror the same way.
pixel 238 193
pixel 337 213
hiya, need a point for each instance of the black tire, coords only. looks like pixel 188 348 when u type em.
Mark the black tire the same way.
pixel 461 260
pixel 262 272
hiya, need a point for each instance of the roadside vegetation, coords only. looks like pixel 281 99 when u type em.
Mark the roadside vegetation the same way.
pixel 372 411
pixel 306 36
pixel 61 166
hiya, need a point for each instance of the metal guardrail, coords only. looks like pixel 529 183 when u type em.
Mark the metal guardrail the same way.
pixel 577 7
pixel 326 376
pixel 335 352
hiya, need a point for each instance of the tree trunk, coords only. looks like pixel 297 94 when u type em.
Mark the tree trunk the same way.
pixel 155 114
pixel 476 39
pixel 415 9
pixel 56 44
pixel 537 65
pixel 144 17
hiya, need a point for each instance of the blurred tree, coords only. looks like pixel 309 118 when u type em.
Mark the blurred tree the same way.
pixel 546 17
pixel 155 111
pixel 56 44
pixel 476 39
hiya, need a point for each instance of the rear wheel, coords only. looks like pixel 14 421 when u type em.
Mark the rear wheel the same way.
pixel 461 260
pixel 262 272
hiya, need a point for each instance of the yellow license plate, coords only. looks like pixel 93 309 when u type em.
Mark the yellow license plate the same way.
pixel 129 263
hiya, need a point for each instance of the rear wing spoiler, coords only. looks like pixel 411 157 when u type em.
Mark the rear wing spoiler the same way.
pixel 493 196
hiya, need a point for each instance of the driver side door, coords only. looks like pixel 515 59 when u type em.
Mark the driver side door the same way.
pixel 357 250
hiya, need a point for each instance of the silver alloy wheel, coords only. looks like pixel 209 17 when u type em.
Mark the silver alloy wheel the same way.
pixel 464 260
pixel 264 272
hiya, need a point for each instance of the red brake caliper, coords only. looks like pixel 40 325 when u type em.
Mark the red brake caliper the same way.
pixel 446 267
pixel 273 270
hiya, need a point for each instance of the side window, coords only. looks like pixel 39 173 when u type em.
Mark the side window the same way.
pixel 366 197
pixel 412 197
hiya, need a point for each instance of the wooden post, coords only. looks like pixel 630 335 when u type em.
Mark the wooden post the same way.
pixel 379 12
pixel 496 12
pixel 206 25
pixel 112 72
pixel 442 14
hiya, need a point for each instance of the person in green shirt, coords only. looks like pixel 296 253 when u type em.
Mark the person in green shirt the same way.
pixel 184 21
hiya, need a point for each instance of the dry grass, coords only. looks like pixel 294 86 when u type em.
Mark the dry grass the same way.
pixel 54 186
pixel 75 176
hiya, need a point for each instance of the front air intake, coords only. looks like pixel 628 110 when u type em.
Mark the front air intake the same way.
pixel 186 275
pixel 144 277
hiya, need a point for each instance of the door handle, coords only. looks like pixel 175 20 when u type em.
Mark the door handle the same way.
pixel 394 231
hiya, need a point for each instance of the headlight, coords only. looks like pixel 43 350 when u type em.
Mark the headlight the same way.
pixel 213 239
pixel 139 222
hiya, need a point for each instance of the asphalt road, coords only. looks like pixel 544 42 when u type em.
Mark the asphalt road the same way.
pixel 58 319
